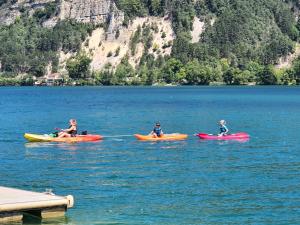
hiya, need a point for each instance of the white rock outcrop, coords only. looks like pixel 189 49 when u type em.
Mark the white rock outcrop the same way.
pixel 86 11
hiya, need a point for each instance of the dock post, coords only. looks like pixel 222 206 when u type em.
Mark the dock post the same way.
pixel 7 217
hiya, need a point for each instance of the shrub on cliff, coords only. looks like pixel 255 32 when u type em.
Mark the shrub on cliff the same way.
pixel 79 66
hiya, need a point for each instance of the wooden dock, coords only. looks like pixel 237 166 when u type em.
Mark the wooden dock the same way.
pixel 15 202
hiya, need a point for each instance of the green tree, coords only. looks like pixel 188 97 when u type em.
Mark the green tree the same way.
pixel 132 7
pixel 296 69
pixel 124 71
pixel 78 67
pixel 155 7
pixel 105 76
pixel 197 73
pixel 182 47
pixel 135 39
pixel 288 77
pixel 173 71
pixel 267 76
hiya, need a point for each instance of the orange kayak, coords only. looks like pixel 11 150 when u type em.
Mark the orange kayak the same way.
pixel 165 137
pixel 48 138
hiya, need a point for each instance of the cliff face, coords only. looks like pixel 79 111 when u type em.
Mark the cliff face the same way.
pixel 89 11
pixel 100 45
pixel 86 11
pixel 104 46
pixel 10 11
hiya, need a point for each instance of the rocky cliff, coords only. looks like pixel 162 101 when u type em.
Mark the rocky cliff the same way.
pixel 86 11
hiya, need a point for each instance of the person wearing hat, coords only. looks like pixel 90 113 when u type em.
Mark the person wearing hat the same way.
pixel 157 131
pixel 223 129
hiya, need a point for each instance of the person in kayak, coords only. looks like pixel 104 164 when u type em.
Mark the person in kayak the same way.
pixel 71 131
pixel 223 129
pixel 157 131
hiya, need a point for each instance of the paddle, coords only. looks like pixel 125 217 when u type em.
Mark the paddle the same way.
pixel 59 129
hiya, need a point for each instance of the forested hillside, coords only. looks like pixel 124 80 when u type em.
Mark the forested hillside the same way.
pixel 242 42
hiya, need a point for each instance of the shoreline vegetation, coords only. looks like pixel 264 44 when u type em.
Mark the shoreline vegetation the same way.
pixel 173 73
pixel 230 51
pixel 29 82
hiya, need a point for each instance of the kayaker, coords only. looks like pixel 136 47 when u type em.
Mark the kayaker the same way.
pixel 157 131
pixel 71 131
pixel 223 129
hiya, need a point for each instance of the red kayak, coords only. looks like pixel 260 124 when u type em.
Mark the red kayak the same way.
pixel 236 136
pixel 48 138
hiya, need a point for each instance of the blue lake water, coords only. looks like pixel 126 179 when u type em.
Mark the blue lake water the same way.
pixel 123 181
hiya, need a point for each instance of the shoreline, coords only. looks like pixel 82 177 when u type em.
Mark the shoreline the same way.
pixel 158 86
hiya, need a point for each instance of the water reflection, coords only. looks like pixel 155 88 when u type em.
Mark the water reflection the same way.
pixel 222 142
pixel 123 181
pixel 33 220
pixel 64 146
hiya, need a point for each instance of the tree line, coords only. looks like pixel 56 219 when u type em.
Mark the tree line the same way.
pixel 243 39
pixel 169 70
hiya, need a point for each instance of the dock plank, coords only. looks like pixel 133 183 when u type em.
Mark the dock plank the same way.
pixel 13 196
pixel 14 200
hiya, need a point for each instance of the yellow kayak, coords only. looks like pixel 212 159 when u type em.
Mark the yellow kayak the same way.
pixel 165 137
pixel 48 138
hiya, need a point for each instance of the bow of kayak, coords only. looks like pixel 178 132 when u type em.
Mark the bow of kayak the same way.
pixel 236 136
pixel 165 137
pixel 48 138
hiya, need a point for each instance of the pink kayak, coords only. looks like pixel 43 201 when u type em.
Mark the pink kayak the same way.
pixel 236 136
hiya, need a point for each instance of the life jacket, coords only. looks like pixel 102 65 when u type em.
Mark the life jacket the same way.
pixel 223 129
pixel 157 131
pixel 72 132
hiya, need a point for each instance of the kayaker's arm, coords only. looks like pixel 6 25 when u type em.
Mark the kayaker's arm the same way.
pixel 66 130
pixel 69 129
pixel 226 130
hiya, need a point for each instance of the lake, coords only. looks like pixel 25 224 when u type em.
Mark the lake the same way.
pixel 123 181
